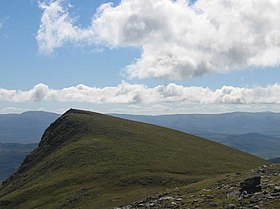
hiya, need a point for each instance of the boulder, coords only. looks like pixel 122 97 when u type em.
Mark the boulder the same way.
pixel 251 185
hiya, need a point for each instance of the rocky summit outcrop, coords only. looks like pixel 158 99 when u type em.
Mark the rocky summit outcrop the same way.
pixel 257 189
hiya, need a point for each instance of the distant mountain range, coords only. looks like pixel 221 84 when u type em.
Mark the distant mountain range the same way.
pixel 19 135
pixel 254 143
pixel 236 123
pixel 11 156
pixel 275 160
pixel 25 128
pixel 255 133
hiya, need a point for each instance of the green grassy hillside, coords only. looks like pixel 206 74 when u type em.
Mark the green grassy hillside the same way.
pixel 90 160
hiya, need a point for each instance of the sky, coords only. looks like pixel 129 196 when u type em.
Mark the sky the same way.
pixel 140 56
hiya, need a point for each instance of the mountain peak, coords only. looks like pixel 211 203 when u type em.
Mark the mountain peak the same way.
pixel 73 111
pixel 105 161
pixel 77 111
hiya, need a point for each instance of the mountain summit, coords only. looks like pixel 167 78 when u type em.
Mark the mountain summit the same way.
pixel 91 160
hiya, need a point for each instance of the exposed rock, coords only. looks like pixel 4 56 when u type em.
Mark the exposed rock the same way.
pixel 251 185
pixel 230 206
pixel 212 204
pixel 233 194
pixel 276 189
pixel 166 198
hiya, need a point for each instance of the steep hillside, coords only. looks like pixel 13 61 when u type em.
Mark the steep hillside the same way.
pixel 24 128
pixel 90 160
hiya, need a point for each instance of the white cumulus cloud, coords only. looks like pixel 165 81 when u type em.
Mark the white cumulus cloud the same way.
pixel 57 27
pixel 178 40
pixel 126 93
pixel 37 93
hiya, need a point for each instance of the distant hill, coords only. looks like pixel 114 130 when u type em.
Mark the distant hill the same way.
pixel 255 133
pixel 275 160
pixel 11 156
pixel 254 143
pixel 19 135
pixel 90 160
pixel 236 123
pixel 26 128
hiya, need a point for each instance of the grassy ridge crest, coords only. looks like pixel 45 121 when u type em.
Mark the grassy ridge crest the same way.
pixel 91 160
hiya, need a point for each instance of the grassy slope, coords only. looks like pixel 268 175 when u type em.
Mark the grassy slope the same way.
pixel 96 161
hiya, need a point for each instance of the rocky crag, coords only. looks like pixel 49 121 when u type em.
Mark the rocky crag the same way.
pixel 257 189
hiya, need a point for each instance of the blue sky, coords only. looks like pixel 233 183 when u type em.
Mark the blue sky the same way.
pixel 101 60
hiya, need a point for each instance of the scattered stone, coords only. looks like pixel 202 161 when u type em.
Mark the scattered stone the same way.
pixel 242 195
pixel 212 204
pixel 166 198
pixel 276 189
pixel 210 196
pixel 230 206
pixel 233 194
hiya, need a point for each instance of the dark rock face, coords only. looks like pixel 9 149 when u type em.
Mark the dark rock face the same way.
pixel 251 185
